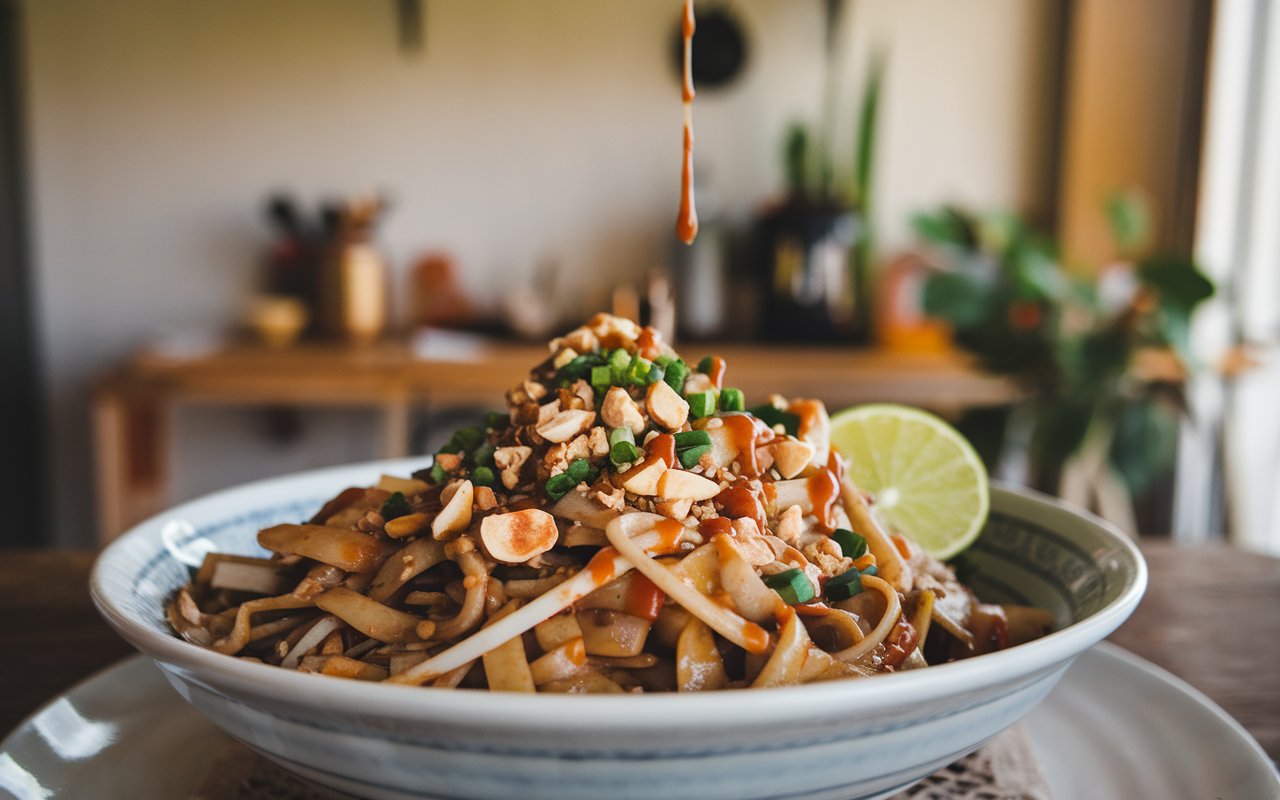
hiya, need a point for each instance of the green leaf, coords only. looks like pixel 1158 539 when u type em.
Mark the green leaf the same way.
pixel 1178 281
pixel 959 299
pixel 1144 444
pixel 1129 216
pixel 947 226
pixel 865 147
pixel 796 156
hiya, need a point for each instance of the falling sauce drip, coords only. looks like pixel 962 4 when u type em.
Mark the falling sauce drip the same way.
pixel 687 220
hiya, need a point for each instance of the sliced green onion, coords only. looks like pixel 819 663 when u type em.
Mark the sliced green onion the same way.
pixel 601 377
pixel 580 470
pixel 395 506
pixel 624 453
pixel 638 372
pixel 619 360
pixel 665 360
pixel 851 544
pixel 622 446
pixel 676 372
pixel 701 404
pixel 732 400
pixel 655 374
pixel 772 415
pixel 483 476
pixel 793 586
pixel 560 485
pixel 580 367
pixel 464 440
pixel 843 586
pixel 704 366
pixel 690 456
pixel 496 420
pixel 482 456
pixel 692 439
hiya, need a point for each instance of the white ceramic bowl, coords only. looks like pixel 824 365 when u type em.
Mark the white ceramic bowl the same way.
pixel 837 740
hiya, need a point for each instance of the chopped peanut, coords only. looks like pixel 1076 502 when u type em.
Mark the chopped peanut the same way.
pixel 677 484
pixel 566 425
pixel 791 456
pixel 456 514
pixel 509 460
pixel 666 407
pixel 517 536
pixel 619 411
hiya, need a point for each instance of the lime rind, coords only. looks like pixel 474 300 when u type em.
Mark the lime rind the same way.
pixel 939 483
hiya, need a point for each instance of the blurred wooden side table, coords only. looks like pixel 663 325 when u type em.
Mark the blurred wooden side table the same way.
pixel 133 406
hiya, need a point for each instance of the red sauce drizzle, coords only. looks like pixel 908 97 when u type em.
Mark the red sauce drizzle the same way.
pixel 747 434
pixel 824 489
pixel 718 367
pixel 687 219
pixel 755 638
pixel 710 528
pixel 669 532
pixel 600 567
pixel 663 448
pixel 809 412
pixel 644 598
pixel 836 464
pixel 647 343
pixel 740 500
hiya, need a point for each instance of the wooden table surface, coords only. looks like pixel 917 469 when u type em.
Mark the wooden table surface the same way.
pixel 1209 617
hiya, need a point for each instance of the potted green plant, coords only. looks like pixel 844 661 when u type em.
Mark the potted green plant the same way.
pixel 1101 358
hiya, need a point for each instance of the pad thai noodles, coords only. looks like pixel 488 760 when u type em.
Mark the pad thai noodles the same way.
pixel 628 524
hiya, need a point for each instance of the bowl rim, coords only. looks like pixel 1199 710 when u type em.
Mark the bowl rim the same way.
pixel 344 698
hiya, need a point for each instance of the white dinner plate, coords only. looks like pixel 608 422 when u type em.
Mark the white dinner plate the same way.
pixel 1116 726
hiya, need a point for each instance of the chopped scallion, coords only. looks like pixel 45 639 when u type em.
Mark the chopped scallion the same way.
pixel 619 360
pixel 843 586
pixel 851 544
pixel 438 474
pixel 601 377
pixel 622 446
pixel 580 470
pixel 395 506
pixel 560 485
pixel 580 367
pixel 690 456
pixel 482 456
pixel 793 586
pixel 496 420
pixel 676 372
pixel 483 476
pixel 692 439
pixel 772 415
pixel 732 400
pixel 704 366
pixel 701 404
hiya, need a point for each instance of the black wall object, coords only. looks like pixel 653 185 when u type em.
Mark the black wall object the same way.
pixel 719 48
pixel 21 425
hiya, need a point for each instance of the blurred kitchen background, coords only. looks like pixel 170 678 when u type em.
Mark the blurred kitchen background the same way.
pixel 241 238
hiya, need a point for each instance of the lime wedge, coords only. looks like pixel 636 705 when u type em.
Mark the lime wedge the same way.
pixel 927 481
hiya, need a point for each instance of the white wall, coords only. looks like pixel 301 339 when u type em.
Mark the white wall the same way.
pixel 523 131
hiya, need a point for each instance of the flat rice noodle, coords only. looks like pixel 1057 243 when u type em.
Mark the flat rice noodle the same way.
pixel 529 588
pixel 742 632
pixel 471 615
pixel 922 614
pixel 641 661
pixel 343 499
pixel 582 536
pixel 453 678
pixel 699 568
pixel 403 566
pixel 346 549
pixel 577 507
pixel 612 633
pixel 787 662
pixel 406 486
pixel 941 614
pixel 404 660
pixel 605 566
pixel 820 665
pixel 555 631
pixel 348 516
pixel 882 629
pixel 566 661
pixel 699 665
pixel 890 565
pixel 506 667
pixel 751 597
pixel 370 617
pixel 240 632
pixel 343 667
pixel 661 677
pixel 1026 623
pixel 834 629
pixel 670 622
